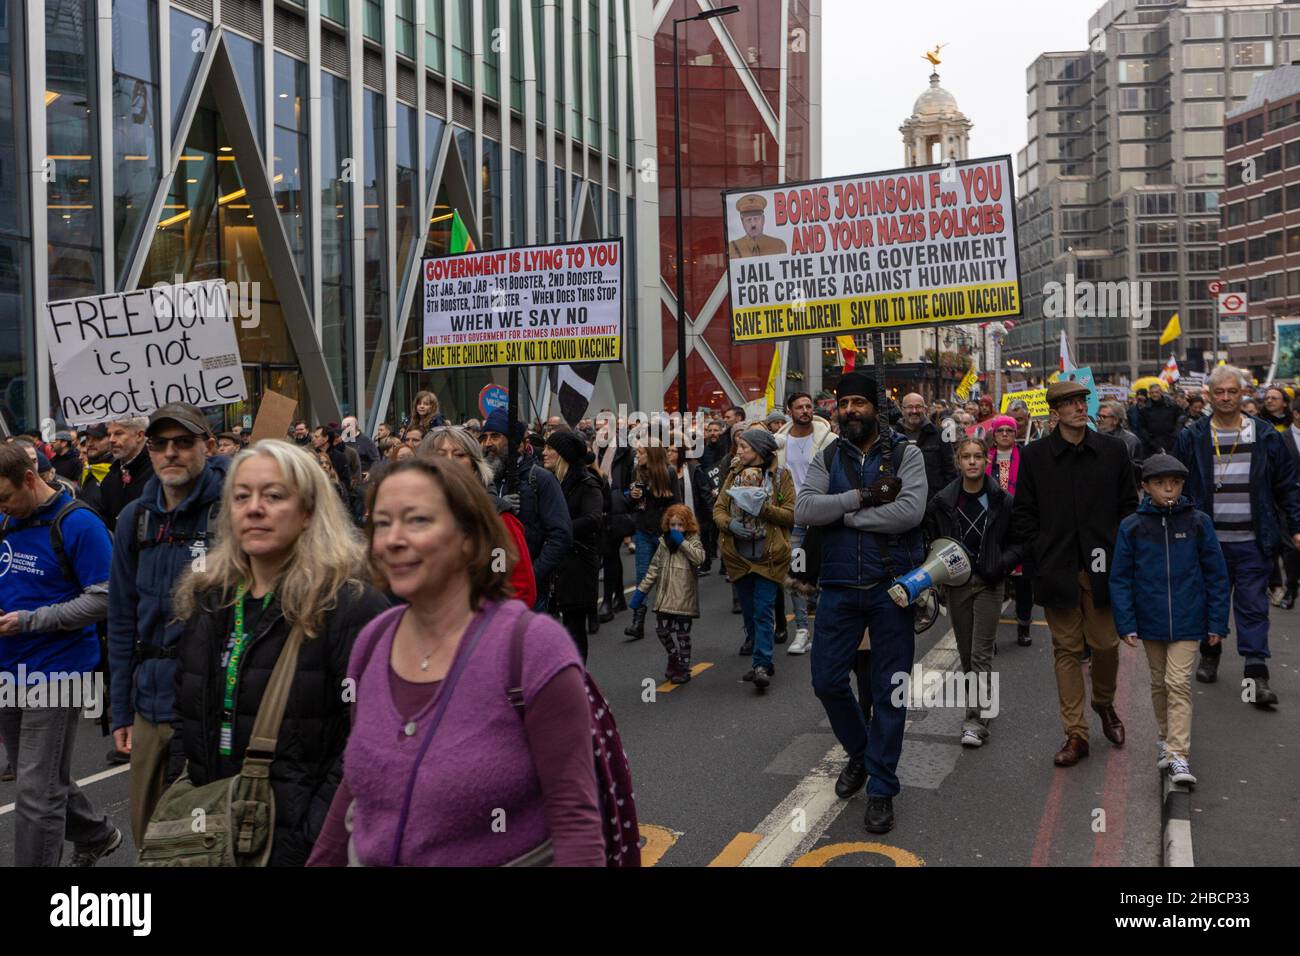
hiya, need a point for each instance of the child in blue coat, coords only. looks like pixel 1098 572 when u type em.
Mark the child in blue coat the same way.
pixel 1169 587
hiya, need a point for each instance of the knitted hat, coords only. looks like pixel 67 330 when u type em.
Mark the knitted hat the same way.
pixel 568 446
pixel 1001 421
pixel 499 422
pixel 858 383
pixel 762 441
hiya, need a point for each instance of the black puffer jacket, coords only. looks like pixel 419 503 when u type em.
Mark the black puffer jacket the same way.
pixel 999 552
pixel 308 760
pixel 1158 426
pixel 575 581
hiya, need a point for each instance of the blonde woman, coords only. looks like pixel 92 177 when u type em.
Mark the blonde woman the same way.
pixel 286 554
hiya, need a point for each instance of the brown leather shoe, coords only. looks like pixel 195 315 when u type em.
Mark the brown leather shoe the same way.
pixel 1074 750
pixel 1111 725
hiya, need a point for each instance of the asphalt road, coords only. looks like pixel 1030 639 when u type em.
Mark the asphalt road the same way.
pixel 726 776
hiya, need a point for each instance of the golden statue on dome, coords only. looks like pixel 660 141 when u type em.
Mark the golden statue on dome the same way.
pixel 933 56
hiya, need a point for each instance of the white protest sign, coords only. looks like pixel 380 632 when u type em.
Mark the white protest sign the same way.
pixel 126 353
pixel 532 305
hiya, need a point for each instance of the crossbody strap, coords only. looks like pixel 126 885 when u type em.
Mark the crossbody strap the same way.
pixel 515 689
pixel 270 712
pixel 463 655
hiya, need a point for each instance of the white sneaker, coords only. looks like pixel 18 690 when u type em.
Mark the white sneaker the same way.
pixel 1162 760
pixel 800 643
pixel 1179 771
pixel 971 739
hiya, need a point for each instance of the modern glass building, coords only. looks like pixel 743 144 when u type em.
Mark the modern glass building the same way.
pixel 1122 174
pixel 312 153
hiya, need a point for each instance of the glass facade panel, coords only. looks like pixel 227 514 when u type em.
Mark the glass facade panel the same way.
pixel 518 196
pixel 561 208
pixel 136 164
pixel 207 231
pixel 336 10
pixel 373 184
pixel 72 145
pixel 490 221
pixel 372 20
pixel 434 32
pixel 492 40
pixel 292 151
pixel 462 40
pixel 405 214
pixel 17 331
pixel 189 38
pixel 405 39
pixel 338 333
pixel 433 127
pixel 246 57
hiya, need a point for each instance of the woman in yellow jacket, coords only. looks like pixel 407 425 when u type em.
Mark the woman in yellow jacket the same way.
pixel 754 514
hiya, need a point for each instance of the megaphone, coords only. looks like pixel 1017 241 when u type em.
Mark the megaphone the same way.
pixel 947 563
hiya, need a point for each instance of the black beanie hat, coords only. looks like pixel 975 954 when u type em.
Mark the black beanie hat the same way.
pixel 569 446
pixel 858 383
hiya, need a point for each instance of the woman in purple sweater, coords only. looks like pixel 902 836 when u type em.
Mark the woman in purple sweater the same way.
pixel 440 770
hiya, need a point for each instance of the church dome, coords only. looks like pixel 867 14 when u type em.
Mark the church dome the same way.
pixel 936 101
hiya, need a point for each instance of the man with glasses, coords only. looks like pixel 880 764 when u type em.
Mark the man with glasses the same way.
pixel 159 537
pixel 1110 421
pixel 1074 488
pixel 1241 474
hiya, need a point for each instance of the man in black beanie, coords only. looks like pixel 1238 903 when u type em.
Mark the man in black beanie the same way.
pixel 867 493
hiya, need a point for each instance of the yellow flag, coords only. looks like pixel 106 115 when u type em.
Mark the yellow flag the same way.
pixel 1172 330
pixel 968 380
pixel 1053 378
pixel 771 378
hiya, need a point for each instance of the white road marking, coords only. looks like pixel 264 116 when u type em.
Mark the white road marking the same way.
pixel 815 794
pixel 83 782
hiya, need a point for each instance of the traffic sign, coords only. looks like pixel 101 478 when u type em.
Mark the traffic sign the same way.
pixel 1215 286
pixel 491 397
pixel 1233 303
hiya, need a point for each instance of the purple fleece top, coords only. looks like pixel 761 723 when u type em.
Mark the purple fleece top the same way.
pixel 478 799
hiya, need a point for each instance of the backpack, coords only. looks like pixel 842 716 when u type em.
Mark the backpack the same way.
pixel 613 776
pixel 55 525
pixel 144 540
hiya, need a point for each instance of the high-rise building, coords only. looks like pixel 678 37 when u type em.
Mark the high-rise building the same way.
pixel 1121 176
pixel 1260 233
pixel 751 116
pixel 312 153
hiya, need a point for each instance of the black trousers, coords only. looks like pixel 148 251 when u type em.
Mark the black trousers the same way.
pixel 1024 598
pixel 709 538
pixel 1291 565
pixel 612 564
pixel 574 620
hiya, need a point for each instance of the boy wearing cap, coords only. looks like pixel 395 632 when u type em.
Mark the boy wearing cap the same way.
pixel 1169 588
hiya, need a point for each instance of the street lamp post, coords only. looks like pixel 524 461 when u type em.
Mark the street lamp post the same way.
pixel 677 189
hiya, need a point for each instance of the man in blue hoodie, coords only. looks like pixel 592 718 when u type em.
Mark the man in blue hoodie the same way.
pixel 159 536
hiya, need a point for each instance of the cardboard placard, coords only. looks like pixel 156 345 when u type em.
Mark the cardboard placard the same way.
pixel 274 416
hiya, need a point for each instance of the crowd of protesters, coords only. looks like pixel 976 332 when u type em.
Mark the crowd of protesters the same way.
pixel 184 564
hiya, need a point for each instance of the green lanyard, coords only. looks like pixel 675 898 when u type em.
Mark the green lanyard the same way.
pixel 232 668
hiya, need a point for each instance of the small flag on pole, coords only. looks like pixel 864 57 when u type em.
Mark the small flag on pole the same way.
pixel 1067 363
pixel 1172 330
pixel 460 240
pixel 967 382
pixel 1170 374
pixel 848 351
pixel 770 393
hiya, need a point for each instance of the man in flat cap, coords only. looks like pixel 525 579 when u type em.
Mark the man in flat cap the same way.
pixel 865 495
pixel 1074 488
pixel 752 217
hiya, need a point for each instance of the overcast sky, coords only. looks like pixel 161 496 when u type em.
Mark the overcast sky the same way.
pixel 873 71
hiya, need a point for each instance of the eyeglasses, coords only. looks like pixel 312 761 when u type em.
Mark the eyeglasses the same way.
pixel 182 442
